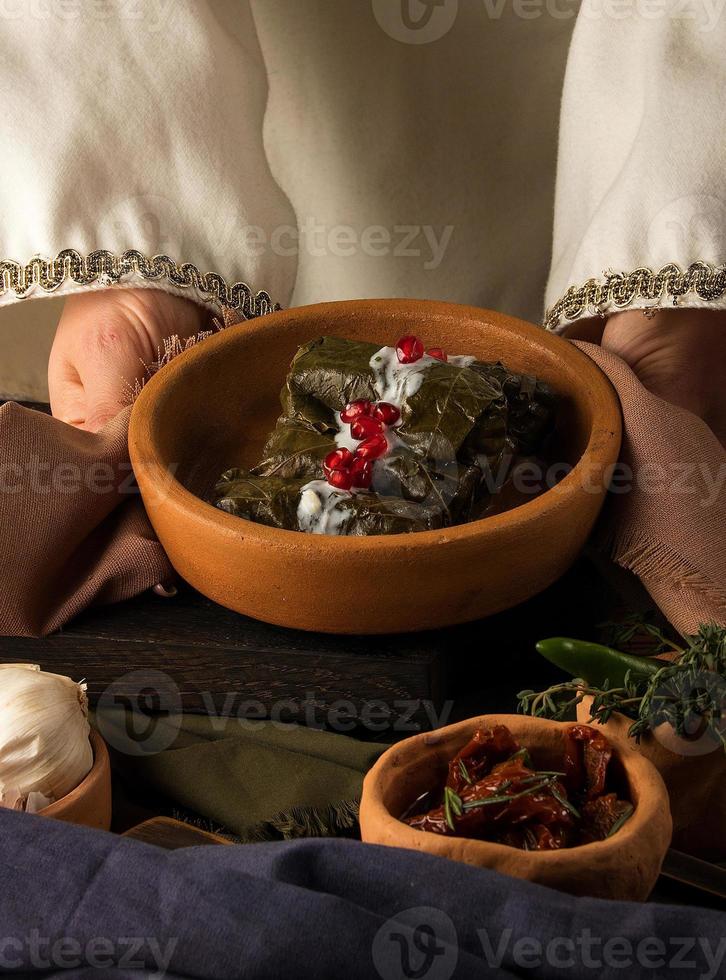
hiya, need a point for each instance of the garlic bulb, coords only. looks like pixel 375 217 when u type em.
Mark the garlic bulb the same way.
pixel 45 750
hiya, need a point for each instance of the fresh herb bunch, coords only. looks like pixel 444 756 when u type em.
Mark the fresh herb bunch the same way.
pixel 688 692
pixel 637 629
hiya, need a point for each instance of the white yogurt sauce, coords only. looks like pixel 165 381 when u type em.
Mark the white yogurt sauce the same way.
pixel 395 382
pixel 461 360
pixel 343 437
pixel 317 512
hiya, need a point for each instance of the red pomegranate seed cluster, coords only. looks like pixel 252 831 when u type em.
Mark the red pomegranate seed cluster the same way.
pixel 346 470
pixel 368 420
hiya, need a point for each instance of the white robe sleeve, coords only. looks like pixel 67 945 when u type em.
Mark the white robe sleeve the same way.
pixel 640 213
pixel 133 153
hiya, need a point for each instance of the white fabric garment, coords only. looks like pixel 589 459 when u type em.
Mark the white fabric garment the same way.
pixel 328 149
pixel 641 180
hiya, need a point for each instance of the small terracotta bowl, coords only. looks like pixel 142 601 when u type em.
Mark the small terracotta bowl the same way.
pixel 89 804
pixel 696 782
pixel 213 407
pixel 625 866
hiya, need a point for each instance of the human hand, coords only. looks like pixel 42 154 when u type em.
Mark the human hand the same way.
pixel 679 355
pixel 103 342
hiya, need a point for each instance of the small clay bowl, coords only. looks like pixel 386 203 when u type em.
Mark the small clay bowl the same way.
pixel 89 804
pixel 213 407
pixel 696 782
pixel 625 866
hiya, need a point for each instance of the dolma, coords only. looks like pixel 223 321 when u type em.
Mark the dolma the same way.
pixel 441 403
pixel 279 503
pixel 531 407
pixel 458 423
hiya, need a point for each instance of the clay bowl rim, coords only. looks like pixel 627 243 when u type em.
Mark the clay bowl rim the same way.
pixel 636 768
pixel 605 434
pixel 101 765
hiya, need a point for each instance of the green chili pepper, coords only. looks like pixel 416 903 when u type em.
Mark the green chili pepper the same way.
pixel 595 663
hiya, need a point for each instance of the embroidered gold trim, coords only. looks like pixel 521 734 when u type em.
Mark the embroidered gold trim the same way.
pixel 620 289
pixel 106 268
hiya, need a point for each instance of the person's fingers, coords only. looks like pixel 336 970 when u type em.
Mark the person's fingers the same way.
pixel 98 347
pixel 115 355
pixel 67 395
pixel 106 341
pixel 678 355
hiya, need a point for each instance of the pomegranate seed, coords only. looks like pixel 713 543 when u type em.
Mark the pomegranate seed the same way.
pixel 341 479
pixel 438 353
pixel 339 459
pixel 361 472
pixel 409 349
pixel 387 413
pixel 372 448
pixel 354 410
pixel 364 427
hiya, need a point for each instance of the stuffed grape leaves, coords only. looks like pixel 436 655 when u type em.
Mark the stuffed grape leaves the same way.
pixel 388 440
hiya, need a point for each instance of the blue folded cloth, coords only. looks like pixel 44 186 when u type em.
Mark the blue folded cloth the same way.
pixel 80 903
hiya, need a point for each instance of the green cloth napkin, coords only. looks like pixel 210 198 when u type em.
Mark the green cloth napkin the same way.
pixel 259 780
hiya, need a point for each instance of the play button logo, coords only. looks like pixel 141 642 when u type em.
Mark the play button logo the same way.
pixel 416 21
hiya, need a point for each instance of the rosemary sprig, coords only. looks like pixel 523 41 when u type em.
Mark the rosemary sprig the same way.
pixel 620 634
pixel 689 693
pixel 565 802
pixel 452 806
pixel 464 772
pixel 624 816
pixel 504 798
pixel 536 777
pixel 524 755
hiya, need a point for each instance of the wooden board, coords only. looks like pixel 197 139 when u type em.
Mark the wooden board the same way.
pixel 222 662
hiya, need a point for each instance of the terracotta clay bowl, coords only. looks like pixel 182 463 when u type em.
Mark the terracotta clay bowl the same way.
pixel 694 774
pixel 89 804
pixel 625 866
pixel 213 407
